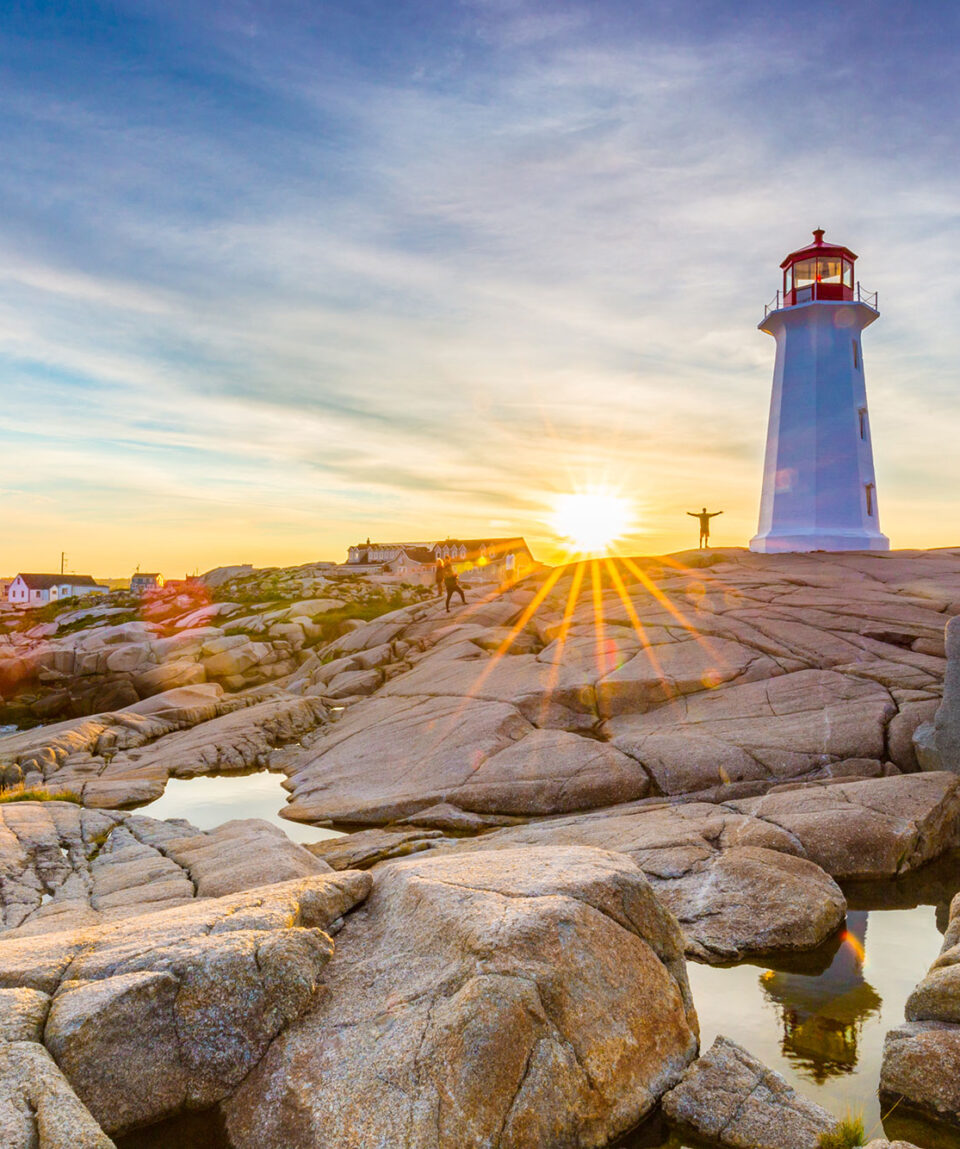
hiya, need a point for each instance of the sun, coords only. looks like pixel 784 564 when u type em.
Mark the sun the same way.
pixel 590 522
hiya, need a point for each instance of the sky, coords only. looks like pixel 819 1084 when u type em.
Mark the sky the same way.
pixel 276 277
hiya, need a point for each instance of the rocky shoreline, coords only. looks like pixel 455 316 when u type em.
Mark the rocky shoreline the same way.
pixel 558 794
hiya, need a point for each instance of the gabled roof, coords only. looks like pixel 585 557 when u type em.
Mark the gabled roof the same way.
pixel 145 574
pixel 476 544
pixel 419 554
pixel 47 581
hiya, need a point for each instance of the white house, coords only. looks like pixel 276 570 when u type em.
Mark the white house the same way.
pixel 39 589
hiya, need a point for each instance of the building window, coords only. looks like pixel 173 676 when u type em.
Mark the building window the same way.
pixel 862 413
pixel 856 355
pixel 868 487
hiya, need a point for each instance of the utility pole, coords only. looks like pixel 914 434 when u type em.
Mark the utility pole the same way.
pixel 63 563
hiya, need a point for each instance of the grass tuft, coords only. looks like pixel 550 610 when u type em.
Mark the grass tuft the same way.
pixel 37 794
pixel 846 1134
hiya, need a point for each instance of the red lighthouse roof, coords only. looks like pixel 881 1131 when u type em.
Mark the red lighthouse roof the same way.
pixel 818 247
pixel 818 272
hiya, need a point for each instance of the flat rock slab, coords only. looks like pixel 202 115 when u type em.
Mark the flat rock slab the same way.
pixel 171 1010
pixel 518 998
pixel 785 727
pixel 65 867
pixel 734 1100
pixel 366 848
pixel 875 828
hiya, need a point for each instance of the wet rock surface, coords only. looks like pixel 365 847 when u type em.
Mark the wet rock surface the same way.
pixel 527 997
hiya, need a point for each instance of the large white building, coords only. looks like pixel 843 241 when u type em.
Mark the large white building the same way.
pixel 39 589
pixel 505 558
pixel 819 485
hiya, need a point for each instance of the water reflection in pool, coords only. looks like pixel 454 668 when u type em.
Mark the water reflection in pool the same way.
pixel 209 800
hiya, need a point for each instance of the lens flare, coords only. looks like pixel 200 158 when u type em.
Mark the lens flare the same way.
pixel 590 522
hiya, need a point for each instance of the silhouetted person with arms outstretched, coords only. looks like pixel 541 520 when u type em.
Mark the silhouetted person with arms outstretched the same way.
pixel 452 584
pixel 704 516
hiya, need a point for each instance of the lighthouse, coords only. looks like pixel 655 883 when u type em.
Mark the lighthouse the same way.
pixel 819 486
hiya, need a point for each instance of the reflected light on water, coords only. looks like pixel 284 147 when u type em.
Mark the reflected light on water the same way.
pixel 822 1016
pixel 208 801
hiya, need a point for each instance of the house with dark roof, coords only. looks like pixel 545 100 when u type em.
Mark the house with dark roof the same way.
pixel 141 582
pixel 39 589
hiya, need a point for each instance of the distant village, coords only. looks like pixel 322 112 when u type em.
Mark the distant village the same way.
pixel 491 560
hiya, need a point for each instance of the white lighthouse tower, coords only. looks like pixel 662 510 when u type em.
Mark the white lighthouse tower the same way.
pixel 819 487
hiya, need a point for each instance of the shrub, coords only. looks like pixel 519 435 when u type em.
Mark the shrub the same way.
pixel 37 794
pixel 846 1134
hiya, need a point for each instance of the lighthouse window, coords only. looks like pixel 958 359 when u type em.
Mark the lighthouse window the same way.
pixel 856 354
pixel 868 487
pixel 847 273
pixel 828 270
pixel 862 412
pixel 805 272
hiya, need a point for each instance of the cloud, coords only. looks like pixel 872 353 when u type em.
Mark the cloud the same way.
pixel 280 276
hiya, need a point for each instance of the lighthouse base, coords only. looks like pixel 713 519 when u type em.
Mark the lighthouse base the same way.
pixel 782 543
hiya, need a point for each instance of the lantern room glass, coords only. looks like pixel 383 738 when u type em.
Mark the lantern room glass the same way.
pixel 803 279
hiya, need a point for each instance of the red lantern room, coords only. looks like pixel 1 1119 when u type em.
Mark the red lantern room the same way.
pixel 818 271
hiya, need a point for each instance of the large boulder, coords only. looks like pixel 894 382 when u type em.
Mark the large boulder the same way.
pixel 921 1066
pixel 734 1100
pixel 518 998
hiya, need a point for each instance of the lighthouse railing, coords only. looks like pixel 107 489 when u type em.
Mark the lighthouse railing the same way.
pixel 811 293
pixel 867 297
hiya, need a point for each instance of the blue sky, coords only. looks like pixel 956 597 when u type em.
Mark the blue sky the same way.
pixel 276 276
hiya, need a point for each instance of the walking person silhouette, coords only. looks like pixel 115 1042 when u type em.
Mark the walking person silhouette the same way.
pixel 452 584
pixel 704 516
